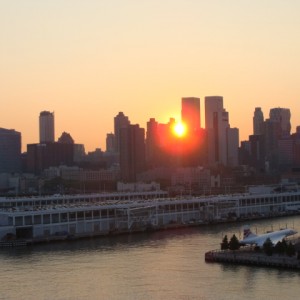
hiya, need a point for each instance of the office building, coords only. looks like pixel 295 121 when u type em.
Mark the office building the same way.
pixel 46 155
pixel 190 113
pixel 10 151
pixel 258 121
pixel 232 147
pixel 132 152
pixel 110 142
pixel 215 118
pixel 283 117
pixel 120 121
pixel 257 151
pixel 152 143
pixel 46 121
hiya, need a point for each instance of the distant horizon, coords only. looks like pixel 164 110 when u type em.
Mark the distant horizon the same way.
pixel 88 60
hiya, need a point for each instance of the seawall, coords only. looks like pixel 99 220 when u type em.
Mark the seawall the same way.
pixel 251 257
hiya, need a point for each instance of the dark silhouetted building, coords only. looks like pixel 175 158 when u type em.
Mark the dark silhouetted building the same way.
pixel 216 130
pixel 10 151
pixel 110 142
pixel 258 120
pixel 257 152
pixel 283 117
pixel 219 134
pixel 132 152
pixel 43 156
pixel 120 121
pixel 65 138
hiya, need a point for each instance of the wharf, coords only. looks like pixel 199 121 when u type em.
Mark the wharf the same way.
pixel 14 243
pixel 251 257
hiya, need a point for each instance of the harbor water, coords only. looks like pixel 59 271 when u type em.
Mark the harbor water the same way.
pixel 167 264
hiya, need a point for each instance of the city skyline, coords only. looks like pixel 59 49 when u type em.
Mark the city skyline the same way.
pixel 177 120
pixel 87 61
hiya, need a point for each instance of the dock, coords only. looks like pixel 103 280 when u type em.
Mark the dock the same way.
pixel 252 257
pixel 13 243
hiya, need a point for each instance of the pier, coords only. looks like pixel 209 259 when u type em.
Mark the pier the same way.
pixel 252 257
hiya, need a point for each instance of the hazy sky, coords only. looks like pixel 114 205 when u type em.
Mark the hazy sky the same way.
pixel 87 60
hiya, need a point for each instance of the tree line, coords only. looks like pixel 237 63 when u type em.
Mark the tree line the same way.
pixel 281 248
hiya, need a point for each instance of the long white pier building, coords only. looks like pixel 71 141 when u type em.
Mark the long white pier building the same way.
pixel 74 216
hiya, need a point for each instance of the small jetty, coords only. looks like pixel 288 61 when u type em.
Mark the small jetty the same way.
pixel 252 257
pixel 13 243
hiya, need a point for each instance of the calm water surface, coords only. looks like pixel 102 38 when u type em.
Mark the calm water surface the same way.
pixel 160 265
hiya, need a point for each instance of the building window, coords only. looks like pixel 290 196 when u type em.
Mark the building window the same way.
pixel 46 219
pixel 28 220
pixel 37 219
pixel 19 221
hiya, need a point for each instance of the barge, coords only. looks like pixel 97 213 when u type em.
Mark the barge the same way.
pixel 58 217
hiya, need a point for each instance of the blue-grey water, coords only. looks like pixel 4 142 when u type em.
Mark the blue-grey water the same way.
pixel 159 265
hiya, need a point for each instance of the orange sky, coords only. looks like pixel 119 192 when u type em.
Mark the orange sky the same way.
pixel 88 60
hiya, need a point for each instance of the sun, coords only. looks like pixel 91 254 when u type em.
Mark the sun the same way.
pixel 179 129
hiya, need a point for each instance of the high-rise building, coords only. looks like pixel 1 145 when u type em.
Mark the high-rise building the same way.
pixel 257 151
pixel 219 134
pixel 214 129
pixel 110 142
pixel 190 113
pixel 233 147
pixel 277 133
pixel 283 117
pixel 46 121
pixel 258 121
pixel 10 151
pixel 120 121
pixel 152 142
pixel 132 152
pixel 286 148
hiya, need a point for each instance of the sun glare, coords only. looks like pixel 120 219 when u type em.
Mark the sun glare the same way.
pixel 179 129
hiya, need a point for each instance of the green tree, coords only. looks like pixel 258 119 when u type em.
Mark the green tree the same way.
pixel 268 247
pixel 234 243
pixel 225 244
pixel 290 250
pixel 280 248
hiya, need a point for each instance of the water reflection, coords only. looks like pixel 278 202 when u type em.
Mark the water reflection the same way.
pixel 165 264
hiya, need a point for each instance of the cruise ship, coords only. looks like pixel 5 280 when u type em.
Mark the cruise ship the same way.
pixel 46 218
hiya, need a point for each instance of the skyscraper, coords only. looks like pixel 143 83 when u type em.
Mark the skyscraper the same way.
pixel 46 121
pixel 258 121
pixel 190 113
pixel 214 129
pixel 232 147
pixel 10 151
pixel 120 121
pixel 283 117
pixel 132 152
pixel 110 142
pixel 222 141
pixel 152 142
